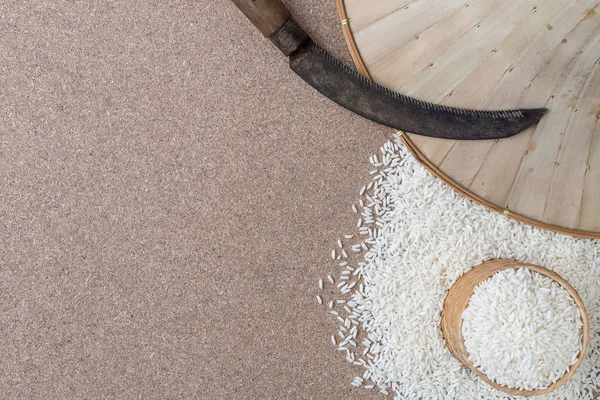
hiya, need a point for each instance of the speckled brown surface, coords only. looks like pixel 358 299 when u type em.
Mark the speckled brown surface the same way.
pixel 170 194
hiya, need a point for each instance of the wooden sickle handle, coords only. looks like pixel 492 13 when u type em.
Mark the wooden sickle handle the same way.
pixel 267 15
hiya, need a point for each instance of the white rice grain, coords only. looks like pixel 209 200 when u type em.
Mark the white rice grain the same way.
pixel 522 329
pixel 427 236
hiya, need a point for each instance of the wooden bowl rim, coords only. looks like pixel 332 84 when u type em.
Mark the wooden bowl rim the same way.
pixel 458 349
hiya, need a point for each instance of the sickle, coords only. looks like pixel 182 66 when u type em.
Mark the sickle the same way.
pixel 370 100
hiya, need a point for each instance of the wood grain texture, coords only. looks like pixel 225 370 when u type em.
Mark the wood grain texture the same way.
pixel 591 191
pixel 536 81
pixel 267 15
pixel 564 206
pixel 532 184
pixel 458 299
pixel 500 54
pixel 354 53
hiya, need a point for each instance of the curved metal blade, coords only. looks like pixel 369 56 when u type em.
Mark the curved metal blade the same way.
pixel 375 102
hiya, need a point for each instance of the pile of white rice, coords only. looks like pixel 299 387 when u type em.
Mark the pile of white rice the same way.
pixel 522 329
pixel 416 237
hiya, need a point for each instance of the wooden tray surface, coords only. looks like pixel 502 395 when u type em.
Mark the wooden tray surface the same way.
pixel 492 54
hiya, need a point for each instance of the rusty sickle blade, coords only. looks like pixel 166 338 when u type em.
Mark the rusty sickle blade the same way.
pixel 377 103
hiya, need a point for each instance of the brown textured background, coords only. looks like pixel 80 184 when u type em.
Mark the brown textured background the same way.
pixel 170 194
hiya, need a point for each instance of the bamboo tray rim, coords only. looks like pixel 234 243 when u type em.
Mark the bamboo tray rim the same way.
pixel 362 69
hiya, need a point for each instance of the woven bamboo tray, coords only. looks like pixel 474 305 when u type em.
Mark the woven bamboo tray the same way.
pixel 458 299
pixel 491 54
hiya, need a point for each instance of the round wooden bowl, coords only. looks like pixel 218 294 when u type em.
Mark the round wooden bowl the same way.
pixel 458 299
